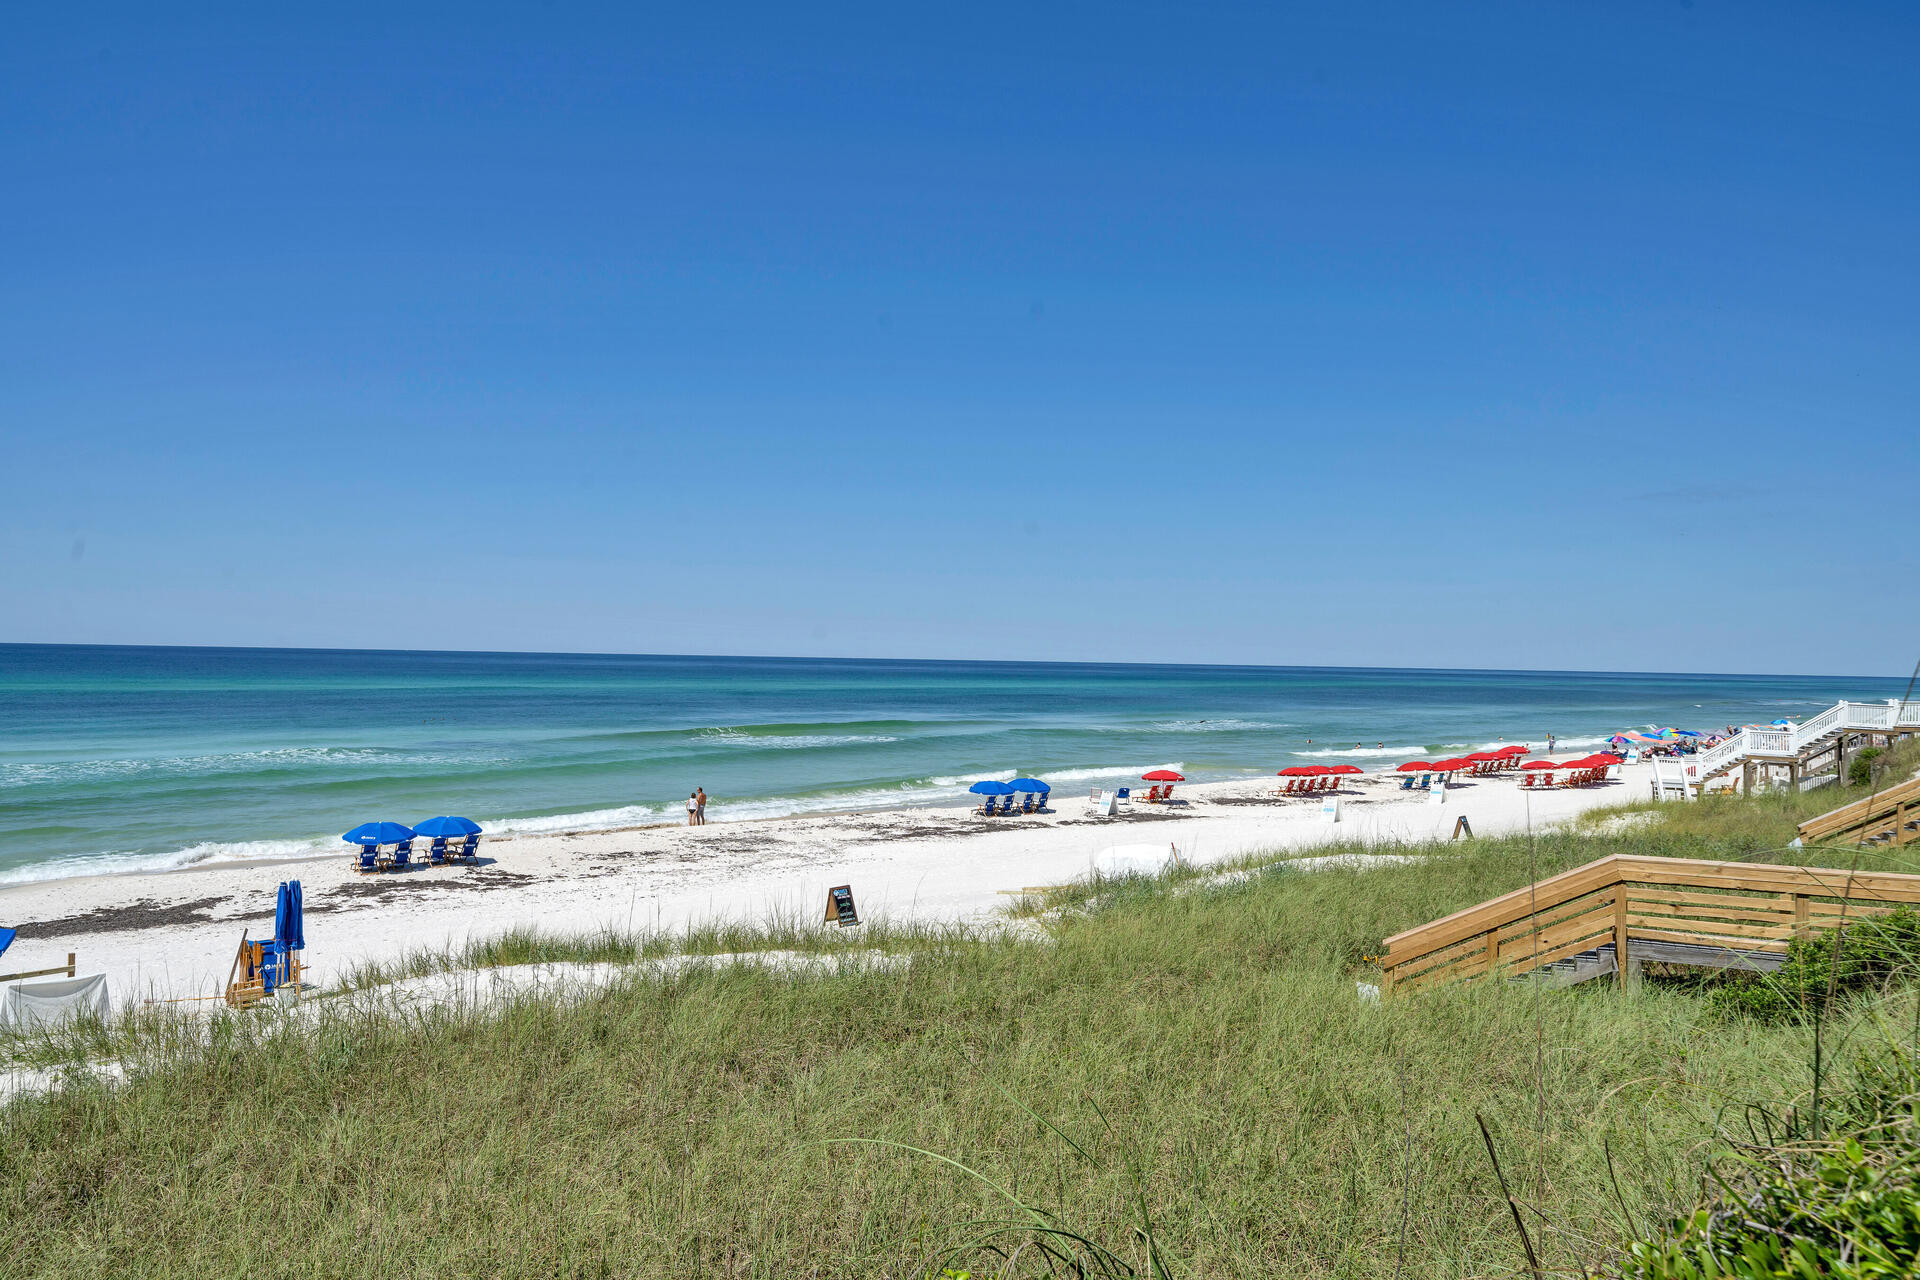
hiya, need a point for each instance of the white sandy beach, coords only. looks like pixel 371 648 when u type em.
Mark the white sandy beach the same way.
pixel 174 933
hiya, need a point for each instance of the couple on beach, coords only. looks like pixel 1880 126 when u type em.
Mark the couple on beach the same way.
pixel 697 807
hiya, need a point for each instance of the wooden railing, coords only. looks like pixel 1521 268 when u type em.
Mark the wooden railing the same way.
pixel 1733 907
pixel 1882 818
pixel 69 968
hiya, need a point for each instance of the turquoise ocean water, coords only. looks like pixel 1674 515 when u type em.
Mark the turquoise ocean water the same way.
pixel 125 758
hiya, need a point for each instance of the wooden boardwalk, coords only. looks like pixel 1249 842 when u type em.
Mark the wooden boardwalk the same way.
pixel 1891 817
pixel 1611 915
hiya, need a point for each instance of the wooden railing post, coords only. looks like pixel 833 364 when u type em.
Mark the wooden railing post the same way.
pixel 71 968
pixel 1620 935
pixel 1802 918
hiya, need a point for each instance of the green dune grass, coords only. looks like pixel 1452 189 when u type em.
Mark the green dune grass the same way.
pixel 1241 1109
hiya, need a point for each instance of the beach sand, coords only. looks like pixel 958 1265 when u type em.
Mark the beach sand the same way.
pixel 174 933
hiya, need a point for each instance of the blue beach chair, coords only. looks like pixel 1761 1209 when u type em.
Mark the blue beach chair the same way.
pixel 403 855
pixel 437 852
pixel 466 852
pixel 366 857
pixel 1124 795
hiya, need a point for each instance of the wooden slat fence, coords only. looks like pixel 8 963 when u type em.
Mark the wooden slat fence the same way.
pixel 1739 906
pixel 1883 818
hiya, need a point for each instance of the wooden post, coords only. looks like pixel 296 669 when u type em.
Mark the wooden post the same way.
pixel 1802 920
pixel 1746 778
pixel 1620 935
pixel 70 964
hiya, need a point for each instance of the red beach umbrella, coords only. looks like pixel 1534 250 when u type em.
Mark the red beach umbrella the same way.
pixel 1412 766
pixel 1539 764
pixel 1484 755
pixel 1449 766
pixel 1346 768
pixel 1163 775
pixel 1606 757
pixel 1513 750
pixel 1302 771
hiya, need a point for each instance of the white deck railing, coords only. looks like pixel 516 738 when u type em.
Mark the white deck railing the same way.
pixel 1771 743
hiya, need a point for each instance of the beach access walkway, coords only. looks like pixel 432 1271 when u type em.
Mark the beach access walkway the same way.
pixel 1800 749
pixel 1618 913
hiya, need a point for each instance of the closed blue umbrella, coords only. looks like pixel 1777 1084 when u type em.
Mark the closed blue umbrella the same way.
pixel 282 909
pixel 448 827
pixel 378 833
pixel 297 919
pixel 1030 784
pixel 991 788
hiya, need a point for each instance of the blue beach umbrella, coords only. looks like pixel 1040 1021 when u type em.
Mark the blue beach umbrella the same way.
pixel 6 940
pixel 378 833
pixel 1688 733
pixel 1783 724
pixel 282 914
pixel 296 918
pixel 448 827
pixel 991 788
pixel 1030 784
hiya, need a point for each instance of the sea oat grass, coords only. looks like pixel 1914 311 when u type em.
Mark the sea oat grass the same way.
pixel 1262 1115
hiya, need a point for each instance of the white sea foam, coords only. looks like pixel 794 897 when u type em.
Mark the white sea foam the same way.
pixel 68 771
pixel 1226 725
pixel 790 742
pixel 1114 771
pixel 1355 751
pixel 116 863
pixel 628 815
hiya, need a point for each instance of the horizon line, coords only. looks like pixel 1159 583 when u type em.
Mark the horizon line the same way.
pixel 1029 662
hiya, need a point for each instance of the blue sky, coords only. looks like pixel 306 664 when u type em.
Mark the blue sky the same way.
pixel 1533 334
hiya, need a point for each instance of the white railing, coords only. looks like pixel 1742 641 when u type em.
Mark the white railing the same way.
pixel 1842 717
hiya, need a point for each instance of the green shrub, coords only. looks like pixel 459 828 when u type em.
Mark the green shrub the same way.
pixel 1860 768
pixel 1874 952
pixel 1791 1209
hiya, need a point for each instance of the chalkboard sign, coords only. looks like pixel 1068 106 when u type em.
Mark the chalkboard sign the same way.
pixel 840 908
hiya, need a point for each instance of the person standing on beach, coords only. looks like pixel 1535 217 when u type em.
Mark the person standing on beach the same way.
pixel 1549 744
pixel 693 808
pixel 700 813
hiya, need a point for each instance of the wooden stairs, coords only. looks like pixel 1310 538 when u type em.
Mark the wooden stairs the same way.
pixel 1582 924
pixel 1891 817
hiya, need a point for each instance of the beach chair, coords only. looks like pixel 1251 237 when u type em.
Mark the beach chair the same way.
pixel 1006 806
pixel 366 858
pixel 468 850
pixel 437 852
pixel 1026 802
pixel 403 855
pixel 1124 795
pixel 1166 796
pixel 1426 782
